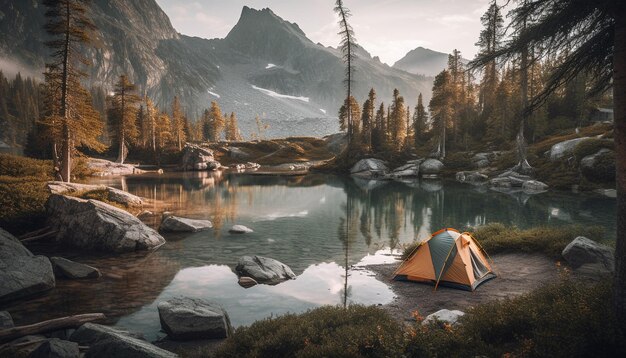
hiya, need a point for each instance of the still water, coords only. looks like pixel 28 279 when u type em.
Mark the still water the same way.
pixel 326 228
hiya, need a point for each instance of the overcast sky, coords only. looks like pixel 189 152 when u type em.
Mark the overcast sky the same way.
pixel 385 28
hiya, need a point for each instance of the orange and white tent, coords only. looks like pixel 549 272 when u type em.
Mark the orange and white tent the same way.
pixel 448 258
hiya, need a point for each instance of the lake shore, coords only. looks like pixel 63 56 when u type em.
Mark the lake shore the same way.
pixel 517 274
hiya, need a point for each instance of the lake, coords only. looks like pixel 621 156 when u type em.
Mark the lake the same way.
pixel 326 228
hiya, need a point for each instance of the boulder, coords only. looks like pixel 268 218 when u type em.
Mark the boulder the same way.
pixel 407 170
pixel 114 195
pixel 94 225
pixel 369 168
pixel 585 251
pixel 251 165
pixel 480 160
pixel 56 348
pixel 21 273
pixel 445 316
pixel 21 347
pixel 106 341
pixel 238 167
pixel 431 167
pixel 237 153
pixel 103 167
pixel 73 270
pixel 178 224
pixel 247 282
pixel 125 198
pixel 240 229
pixel 471 177
pixel 565 148
pixel 611 193
pixel 534 186
pixel 500 183
pixel 196 157
pixel 264 270
pixel 191 318
pixel 6 321
pixel 599 166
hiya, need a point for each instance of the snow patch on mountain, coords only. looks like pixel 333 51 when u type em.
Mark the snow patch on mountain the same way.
pixel 214 94
pixel 270 65
pixel 278 95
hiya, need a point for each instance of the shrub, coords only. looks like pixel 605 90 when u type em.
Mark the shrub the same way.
pixel 497 238
pixel 459 161
pixel 16 166
pixel 22 201
pixel 591 146
pixel 355 331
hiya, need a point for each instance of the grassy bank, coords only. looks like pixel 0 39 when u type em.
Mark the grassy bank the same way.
pixel 565 319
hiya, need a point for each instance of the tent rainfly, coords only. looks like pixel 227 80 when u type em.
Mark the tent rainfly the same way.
pixel 448 258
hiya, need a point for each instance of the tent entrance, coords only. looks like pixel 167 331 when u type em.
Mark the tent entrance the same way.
pixel 480 270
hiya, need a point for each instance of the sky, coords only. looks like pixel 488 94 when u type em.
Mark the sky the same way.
pixel 386 28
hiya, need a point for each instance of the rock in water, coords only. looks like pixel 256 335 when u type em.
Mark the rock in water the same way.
pixel 94 225
pixel 534 186
pixel 247 282
pixel 240 229
pixel 445 316
pixel 107 342
pixel 56 348
pixel 196 157
pixel 369 168
pixel 178 224
pixel 21 273
pixel 264 270
pixel 585 251
pixel 191 318
pixel 6 321
pixel 407 170
pixel 73 270
pixel 431 167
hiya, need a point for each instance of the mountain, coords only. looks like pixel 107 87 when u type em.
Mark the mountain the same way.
pixel 265 66
pixel 423 61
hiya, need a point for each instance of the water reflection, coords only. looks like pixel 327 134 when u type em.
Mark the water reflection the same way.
pixel 324 227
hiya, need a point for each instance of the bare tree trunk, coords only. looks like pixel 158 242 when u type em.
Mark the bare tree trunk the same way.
pixel 619 100
pixel 523 166
pixel 66 148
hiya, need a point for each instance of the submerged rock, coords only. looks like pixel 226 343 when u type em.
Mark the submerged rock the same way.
pixel 445 316
pixel 192 318
pixel 56 348
pixel 369 168
pixel 471 177
pixel 94 225
pixel 534 186
pixel 264 270
pixel 22 274
pixel 73 270
pixel 107 342
pixel 240 229
pixel 178 224
pixel 407 170
pixel 583 251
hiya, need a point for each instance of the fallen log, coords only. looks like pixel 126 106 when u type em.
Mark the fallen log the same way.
pixel 48 326
pixel 36 232
pixel 39 237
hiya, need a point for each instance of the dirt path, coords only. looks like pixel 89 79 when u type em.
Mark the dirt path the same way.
pixel 517 274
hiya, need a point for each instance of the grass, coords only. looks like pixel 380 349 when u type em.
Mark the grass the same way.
pixel 498 238
pixel 564 319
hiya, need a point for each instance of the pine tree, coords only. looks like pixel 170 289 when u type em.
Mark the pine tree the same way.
pixel 163 130
pixel 69 28
pixel 420 122
pixel 440 107
pixel 205 121
pixel 232 129
pixel 350 109
pixel 367 119
pixel 178 123
pixel 217 122
pixel 348 48
pixel 122 116
pixel 397 121
pixel 151 120
pixel 380 136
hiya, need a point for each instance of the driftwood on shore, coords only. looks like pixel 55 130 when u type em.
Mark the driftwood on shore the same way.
pixel 49 326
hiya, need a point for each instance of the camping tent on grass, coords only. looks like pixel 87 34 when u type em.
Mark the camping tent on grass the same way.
pixel 448 258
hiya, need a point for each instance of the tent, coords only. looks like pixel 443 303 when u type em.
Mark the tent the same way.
pixel 448 258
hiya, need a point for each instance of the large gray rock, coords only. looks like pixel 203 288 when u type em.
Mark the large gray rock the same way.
pixel 431 167
pixel 444 316
pixel 407 170
pixel 583 251
pixel 107 342
pixel 178 224
pixel 192 318
pixel 481 160
pixel 56 348
pixel 599 166
pixel 240 229
pixel 565 148
pixel 6 321
pixel 94 225
pixel 369 168
pixel 471 177
pixel 196 157
pixel 103 167
pixel 73 270
pixel 264 270
pixel 114 195
pixel 21 273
